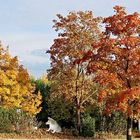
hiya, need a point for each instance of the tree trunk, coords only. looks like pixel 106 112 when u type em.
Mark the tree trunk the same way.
pixel 78 119
pixel 139 125
pixel 129 128
pixel 129 120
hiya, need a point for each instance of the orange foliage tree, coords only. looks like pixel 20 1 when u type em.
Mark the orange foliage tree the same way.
pixel 76 34
pixel 16 90
pixel 117 65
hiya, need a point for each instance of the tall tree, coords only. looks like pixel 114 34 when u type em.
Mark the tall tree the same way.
pixel 15 86
pixel 76 34
pixel 117 65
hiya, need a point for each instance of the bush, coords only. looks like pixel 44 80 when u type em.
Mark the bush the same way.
pixel 88 126
pixel 62 111
pixel 5 122
pixel 94 112
pixel 116 123
pixel 15 120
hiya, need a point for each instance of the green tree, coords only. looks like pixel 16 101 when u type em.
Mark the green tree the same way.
pixel 42 85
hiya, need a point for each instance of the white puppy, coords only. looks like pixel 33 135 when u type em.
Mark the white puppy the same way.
pixel 53 125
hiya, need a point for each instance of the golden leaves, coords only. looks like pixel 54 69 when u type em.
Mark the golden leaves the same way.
pixel 15 86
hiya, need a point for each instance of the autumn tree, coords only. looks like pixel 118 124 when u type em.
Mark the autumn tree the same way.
pixel 15 86
pixel 76 34
pixel 117 65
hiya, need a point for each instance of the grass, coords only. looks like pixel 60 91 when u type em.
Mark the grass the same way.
pixel 43 134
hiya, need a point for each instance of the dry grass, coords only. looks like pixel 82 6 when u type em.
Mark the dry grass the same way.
pixel 39 134
pixel 110 136
pixel 43 134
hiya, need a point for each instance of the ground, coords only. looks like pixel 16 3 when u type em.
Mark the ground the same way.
pixel 44 135
pixel 39 134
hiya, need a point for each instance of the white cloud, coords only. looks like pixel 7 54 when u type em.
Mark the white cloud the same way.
pixel 22 45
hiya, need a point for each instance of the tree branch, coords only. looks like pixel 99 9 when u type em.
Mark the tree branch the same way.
pixel 89 97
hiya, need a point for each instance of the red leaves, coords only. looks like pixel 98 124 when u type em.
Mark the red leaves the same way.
pixel 102 96
pixel 130 42
pixel 125 101
pixel 77 61
pixel 86 56
pixel 120 40
pixel 122 23
pixel 119 9
pixel 113 55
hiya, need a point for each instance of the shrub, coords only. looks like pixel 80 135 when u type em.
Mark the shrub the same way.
pixel 74 131
pixel 88 126
pixel 116 123
pixel 5 123
pixel 94 112
pixel 63 112
pixel 15 120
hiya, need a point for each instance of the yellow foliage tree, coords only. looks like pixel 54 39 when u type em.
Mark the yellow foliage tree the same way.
pixel 16 90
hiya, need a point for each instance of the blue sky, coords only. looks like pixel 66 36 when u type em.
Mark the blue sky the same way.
pixel 26 25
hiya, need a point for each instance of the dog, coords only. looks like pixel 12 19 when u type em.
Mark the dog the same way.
pixel 53 126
